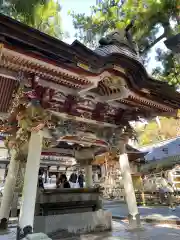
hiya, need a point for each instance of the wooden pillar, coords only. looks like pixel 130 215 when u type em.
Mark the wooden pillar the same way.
pixel 18 189
pixel 88 176
pixel 134 217
pixel 142 192
pixel 26 218
pixel 5 172
pixel 14 207
pixel 9 188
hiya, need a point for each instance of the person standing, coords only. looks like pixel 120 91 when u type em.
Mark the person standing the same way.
pixel 62 182
pixel 59 180
pixel 73 179
pixel 81 179
pixel 40 179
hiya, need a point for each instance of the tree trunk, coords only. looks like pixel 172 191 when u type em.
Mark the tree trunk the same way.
pixel 167 33
pixel 147 48
pixel 167 29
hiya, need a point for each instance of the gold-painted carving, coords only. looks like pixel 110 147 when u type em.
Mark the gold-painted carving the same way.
pixel 25 117
pixel 84 66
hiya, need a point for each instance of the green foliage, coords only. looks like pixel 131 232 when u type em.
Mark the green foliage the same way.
pixel 21 7
pixel 171 72
pixel 152 133
pixel 149 16
pixel 47 19
pixel 42 15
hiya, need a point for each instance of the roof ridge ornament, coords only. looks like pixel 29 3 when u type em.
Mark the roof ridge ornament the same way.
pixel 121 37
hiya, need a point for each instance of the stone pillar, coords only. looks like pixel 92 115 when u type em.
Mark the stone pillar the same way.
pixel 9 188
pixel 88 176
pixel 26 218
pixel 134 217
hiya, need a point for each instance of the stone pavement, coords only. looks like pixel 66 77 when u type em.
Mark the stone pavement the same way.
pixel 121 232
pixel 148 232
pixel 120 228
pixel 119 209
pixel 10 234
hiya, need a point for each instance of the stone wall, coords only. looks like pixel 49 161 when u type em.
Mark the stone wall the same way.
pixel 63 201
pixel 74 223
pixel 67 195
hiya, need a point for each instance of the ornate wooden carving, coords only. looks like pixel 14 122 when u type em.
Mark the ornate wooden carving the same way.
pixel 119 116
pixel 99 112
pixel 70 105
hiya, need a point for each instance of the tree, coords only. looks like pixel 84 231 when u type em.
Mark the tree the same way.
pixel 46 18
pixel 150 16
pixel 151 133
pixel 173 77
pixel 22 7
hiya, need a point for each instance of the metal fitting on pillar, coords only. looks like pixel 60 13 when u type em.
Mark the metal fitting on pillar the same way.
pixel 134 221
pixel 3 223
pixel 22 233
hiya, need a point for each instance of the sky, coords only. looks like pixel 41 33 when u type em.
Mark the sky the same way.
pixel 78 6
pixel 83 6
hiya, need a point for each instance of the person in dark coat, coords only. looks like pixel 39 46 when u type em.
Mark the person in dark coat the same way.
pixel 73 179
pixel 58 182
pixel 81 180
pixel 64 181
pixel 40 182
pixel 59 179
pixel 40 179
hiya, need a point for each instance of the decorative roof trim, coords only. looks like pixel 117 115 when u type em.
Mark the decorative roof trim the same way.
pixel 79 119
pixel 150 103
pixel 56 69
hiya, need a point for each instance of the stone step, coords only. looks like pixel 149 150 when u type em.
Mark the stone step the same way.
pixel 37 236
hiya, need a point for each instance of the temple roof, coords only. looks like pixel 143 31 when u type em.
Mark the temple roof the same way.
pixel 96 92
pixel 110 62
